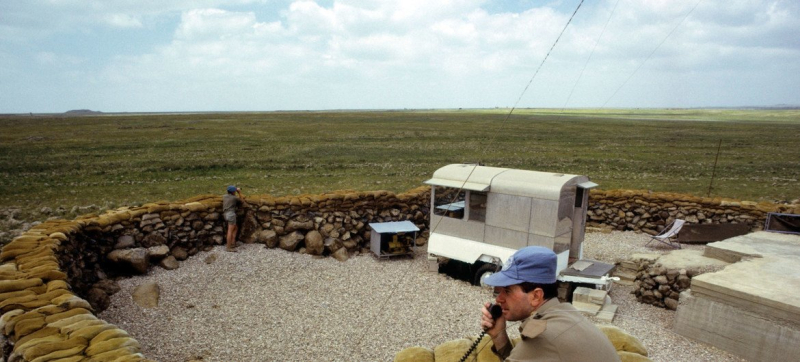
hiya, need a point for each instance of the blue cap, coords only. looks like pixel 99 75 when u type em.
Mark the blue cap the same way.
pixel 533 264
pixel 231 188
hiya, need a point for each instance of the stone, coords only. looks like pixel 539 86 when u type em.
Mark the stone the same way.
pixel 124 242
pixel 211 258
pixel 169 263
pixel 136 259
pixel 299 225
pixel 341 255
pixel 672 304
pixel 314 243
pixel 108 285
pixel 147 295
pixel 158 252
pixel 153 239
pixel 290 241
pixel 268 238
pixel 98 299
pixel 180 253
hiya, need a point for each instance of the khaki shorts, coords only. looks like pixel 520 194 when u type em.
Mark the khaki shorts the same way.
pixel 230 217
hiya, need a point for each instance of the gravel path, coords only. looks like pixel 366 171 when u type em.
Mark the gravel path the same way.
pixel 268 304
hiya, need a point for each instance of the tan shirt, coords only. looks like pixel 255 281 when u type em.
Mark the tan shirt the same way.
pixel 558 332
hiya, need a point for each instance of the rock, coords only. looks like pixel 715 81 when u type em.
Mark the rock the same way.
pixel 314 243
pixel 158 252
pixel 249 229
pixel 147 295
pixel 211 258
pixel 98 299
pixel 414 354
pixel 268 238
pixel 290 241
pixel 124 242
pixel 136 259
pixel 180 253
pixel 341 255
pixel 299 225
pixel 153 239
pixel 672 304
pixel 109 286
pixel 169 263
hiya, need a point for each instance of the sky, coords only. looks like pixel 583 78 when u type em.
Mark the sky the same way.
pixel 265 55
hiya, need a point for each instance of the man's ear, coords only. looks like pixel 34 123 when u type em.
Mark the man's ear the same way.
pixel 536 297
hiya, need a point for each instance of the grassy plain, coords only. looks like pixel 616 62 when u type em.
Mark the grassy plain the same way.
pixel 127 159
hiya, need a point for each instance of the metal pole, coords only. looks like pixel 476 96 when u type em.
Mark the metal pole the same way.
pixel 714 170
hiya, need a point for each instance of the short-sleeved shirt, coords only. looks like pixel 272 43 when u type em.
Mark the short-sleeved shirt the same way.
pixel 230 203
pixel 558 332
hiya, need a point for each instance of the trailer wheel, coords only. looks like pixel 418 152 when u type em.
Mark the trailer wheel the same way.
pixel 483 272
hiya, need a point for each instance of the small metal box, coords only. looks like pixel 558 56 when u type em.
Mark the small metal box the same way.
pixel 395 238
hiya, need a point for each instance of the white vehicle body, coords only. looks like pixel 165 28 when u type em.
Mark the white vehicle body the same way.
pixel 484 214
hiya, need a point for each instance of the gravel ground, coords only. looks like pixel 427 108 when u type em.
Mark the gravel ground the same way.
pixel 268 304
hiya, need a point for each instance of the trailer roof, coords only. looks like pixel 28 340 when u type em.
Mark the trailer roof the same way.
pixel 542 185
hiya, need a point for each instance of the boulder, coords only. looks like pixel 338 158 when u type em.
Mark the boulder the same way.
pixel 158 252
pixel 290 241
pixel 341 255
pixel 249 229
pixel 124 242
pixel 268 238
pixel 314 243
pixel 299 225
pixel 180 253
pixel 153 239
pixel 147 295
pixel 136 259
pixel 169 263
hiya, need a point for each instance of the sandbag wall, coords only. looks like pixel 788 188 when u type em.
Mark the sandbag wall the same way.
pixel 650 212
pixel 56 276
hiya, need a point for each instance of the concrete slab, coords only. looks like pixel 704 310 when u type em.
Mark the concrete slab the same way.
pixel 752 307
pixel 689 259
pixel 754 245
pixel 736 330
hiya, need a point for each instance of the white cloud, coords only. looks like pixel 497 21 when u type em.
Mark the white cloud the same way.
pixel 417 53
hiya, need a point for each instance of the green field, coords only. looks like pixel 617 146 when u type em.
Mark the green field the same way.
pixel 126 159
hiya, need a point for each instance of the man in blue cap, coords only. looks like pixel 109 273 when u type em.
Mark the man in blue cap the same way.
pixel 526 290
pixel 229 205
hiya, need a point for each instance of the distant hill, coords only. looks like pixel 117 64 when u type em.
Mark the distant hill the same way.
pixel 81 112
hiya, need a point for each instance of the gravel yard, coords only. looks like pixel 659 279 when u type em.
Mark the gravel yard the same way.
pixel 268 304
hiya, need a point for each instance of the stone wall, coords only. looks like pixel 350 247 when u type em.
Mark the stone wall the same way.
pixel 56 276
pixel 650 212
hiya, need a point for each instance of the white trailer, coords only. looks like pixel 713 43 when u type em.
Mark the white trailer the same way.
pixel 481 215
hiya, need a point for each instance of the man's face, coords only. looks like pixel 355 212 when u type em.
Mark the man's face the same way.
pixel 517 305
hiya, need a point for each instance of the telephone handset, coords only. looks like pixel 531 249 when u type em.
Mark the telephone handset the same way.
pixel 495 311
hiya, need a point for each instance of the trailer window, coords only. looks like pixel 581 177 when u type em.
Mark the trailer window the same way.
pixel 477 206
pixel 448 201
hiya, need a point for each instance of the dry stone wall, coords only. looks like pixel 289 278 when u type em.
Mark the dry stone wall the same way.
pixel 56 276
pixel 650 212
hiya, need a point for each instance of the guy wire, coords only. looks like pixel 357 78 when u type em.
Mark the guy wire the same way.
pixel 651 53
pixel 385 301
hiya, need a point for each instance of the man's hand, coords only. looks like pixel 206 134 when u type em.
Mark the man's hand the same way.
pixel 495 328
